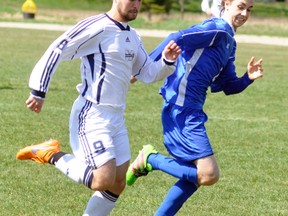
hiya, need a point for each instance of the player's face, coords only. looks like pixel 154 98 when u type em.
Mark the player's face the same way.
pixel 238 11
pixel 128 9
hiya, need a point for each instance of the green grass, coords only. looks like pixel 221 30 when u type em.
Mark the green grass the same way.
pixel 248 133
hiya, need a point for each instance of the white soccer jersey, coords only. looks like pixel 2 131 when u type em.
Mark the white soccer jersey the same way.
pixel 110 53
pixel 214 5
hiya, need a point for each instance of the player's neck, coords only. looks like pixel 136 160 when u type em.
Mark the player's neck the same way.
pixel 115 16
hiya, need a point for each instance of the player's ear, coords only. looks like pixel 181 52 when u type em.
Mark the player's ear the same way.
pixel 227 3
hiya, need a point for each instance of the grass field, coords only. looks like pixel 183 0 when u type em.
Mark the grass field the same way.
pixel 248 133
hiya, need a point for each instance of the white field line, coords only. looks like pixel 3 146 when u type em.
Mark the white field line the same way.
pixel 277 41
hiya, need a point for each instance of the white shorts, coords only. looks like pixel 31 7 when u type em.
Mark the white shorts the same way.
pixel 98 134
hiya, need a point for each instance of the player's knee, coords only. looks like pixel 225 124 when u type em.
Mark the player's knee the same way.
pixel 119 186
pixel 104 177
pixel 101 183
pixel 208 178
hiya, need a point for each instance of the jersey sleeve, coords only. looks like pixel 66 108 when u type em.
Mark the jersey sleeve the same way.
pixel 228 82
pixel 149 70
pixel 71 45
pixel 201 36
pixel 196 37
pixel 156 54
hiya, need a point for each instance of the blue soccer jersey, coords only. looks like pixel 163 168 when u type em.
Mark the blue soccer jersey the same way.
pixel 207 60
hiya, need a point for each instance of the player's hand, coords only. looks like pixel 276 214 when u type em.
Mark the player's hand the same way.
pixel 34 104
pixel 172 51
pixel 255 70
pixel 133 79
pixel 209 13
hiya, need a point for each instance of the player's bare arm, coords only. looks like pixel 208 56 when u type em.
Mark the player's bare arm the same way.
pixel 34 104
pixel 255 70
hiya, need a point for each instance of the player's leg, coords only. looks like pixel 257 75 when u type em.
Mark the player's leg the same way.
pixel 208 174
pixel 49 152
pixel 177 195
pixel 149 159
pixel 186 139
pixel 101 178
pixel 203 171
pixel 89 139
pixel 101 203
pixel 207 170
pixel 181 133
pixel 73 167
pixel 94 137
pixel 183 170
pixel 123 156
pixel 87 143
pixel 180 192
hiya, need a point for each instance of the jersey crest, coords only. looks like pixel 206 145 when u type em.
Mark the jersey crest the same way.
pixel 129 55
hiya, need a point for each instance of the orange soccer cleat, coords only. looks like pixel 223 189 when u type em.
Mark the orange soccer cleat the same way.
pixel 40 153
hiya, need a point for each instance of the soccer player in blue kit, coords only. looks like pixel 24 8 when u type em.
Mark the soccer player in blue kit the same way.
pixel 110 52
pixel 207 60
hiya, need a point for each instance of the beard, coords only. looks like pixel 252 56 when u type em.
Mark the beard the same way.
pixel 127 16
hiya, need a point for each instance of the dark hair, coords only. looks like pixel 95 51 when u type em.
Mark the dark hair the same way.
pixel 222 7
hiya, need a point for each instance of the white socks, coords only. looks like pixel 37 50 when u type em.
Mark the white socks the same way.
pixel 71 167
pixel 100 204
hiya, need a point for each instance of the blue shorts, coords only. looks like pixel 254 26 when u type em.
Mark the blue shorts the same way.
pixel 185 136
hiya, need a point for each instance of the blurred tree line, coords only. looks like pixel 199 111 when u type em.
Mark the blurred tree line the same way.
pixel 263 8
pixel 166 6
pixel 272 8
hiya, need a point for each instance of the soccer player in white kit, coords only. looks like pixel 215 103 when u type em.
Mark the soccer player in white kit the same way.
pixel 110 52
pixel 212 8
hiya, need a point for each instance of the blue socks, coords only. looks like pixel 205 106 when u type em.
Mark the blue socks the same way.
pixel 175 198
pixel 179 169
pixel 182 190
